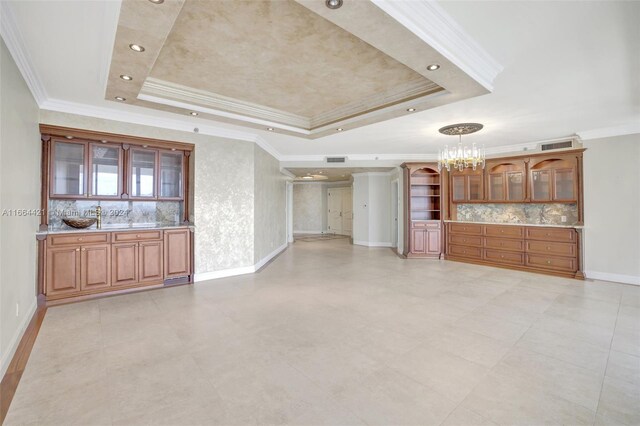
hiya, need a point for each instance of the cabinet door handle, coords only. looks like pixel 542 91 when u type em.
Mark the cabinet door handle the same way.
pixel 77 249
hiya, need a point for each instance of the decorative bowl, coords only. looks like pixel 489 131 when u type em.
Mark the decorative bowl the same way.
pixel 79 222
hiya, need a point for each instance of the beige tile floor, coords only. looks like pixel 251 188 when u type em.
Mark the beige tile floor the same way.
pixel 331 333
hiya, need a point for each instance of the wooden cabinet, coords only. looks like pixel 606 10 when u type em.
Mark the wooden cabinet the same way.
pixel 506 180
pixel 95 267
pixel 81 264
pixel 177 253
pixel 467 186
pixel 531 248
pixel 554 179
pixel 422 210
pixel 125 264
pixel 63 270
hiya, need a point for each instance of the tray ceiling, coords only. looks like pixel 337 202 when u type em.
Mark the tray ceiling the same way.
pixel 282 65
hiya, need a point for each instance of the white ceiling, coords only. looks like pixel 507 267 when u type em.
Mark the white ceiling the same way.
pixel 569 67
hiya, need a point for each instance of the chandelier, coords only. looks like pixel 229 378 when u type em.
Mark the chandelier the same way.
pixel 459 157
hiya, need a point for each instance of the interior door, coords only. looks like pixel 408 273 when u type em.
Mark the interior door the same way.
pixel 334 200
pixel 347 211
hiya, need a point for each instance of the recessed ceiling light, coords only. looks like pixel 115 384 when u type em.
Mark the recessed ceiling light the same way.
pixel 136 48
pixel 126 77
pixel 307 177
pixel 157 1
pixel 270 129
pixel 193 113
pixel 411 109
pixel 339 129
pixel 333 4
pixel 69 137
pixel 433 67
pixel 120 99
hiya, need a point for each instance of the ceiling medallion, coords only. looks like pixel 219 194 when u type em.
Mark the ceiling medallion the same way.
pixel 333 4
pixel 461 156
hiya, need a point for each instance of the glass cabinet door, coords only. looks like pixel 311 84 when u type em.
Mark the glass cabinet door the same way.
pixel 496 187
pixel 171 174
pixel 457 188
pixel 564 184
pixel 143 173
pixel 105 175
pixel 475 188
pixel 540 185
pixel 515 187
pixel 68 169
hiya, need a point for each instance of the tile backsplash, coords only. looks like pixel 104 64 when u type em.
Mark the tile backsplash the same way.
pixel 535 214
pixel 117 211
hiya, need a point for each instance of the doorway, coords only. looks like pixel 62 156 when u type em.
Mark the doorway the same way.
pixel 340 211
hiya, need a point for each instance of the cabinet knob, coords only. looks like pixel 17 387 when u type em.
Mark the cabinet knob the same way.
pixel 549 262
pixel 548 234
pixel 79 239
pixel 137 235
pixel 502 230
pixel 77 249
pixel 84 249
pixel 464 240
pixel 548 248
pixel 501 244
pixel 502 256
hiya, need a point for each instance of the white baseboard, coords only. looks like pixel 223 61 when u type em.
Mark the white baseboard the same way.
pixel 373 243
pixel 205 276
pixel 17 336
pixel 616 278
pixel 308 232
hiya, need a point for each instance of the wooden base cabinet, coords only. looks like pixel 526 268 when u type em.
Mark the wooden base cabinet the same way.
pixel 552 251
pixel 78 265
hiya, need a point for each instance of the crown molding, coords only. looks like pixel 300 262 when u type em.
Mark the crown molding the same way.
pixel 432 24
pixel 153 121
pixel 608 132
pixel 12 38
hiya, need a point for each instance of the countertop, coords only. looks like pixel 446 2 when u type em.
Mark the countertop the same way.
pixel 113 227
pixel 543 225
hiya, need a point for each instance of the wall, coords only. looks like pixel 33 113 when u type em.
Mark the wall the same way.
pixel 372 209
pixel 19 189
pixel 612 208
pixel 224 187
pixel 309 208
pixel 270 216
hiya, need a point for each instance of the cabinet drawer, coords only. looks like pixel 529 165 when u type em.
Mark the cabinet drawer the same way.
pixel 465 251
pixel 504 231
pixel 569 264
pixel 552 234
pixel 122 237
pixel 504 244
pixel 415 224
pixel 500 256
pixel 77 239
pixel 549 248
pixel 465 240
pixel 465 228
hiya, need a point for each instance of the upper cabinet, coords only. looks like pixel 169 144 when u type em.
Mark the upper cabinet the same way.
pixel 506 180
pixel 467 186
pixel 97 170
pixel 68 169
pixel 554 179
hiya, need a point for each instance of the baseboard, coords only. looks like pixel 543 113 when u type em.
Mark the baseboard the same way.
pixel 616 278
pixel 205 276
pixel 15 340
pixel 308 232
pixel 373 243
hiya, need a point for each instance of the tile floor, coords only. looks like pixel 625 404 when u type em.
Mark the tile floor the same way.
pixel 331 333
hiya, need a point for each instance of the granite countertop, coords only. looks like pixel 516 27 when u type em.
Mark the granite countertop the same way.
pixel 64 229
pixel 543 225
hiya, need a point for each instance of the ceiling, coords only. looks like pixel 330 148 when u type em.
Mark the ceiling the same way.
pixel 332 174
pixel 568 67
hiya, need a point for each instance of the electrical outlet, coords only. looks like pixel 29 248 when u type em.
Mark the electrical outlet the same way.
pixel 563 219
pixel 17 309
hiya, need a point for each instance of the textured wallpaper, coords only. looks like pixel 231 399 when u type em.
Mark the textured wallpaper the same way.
pixel 223 214
pixel 308 211
pixel 536 214
pixel 270 204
